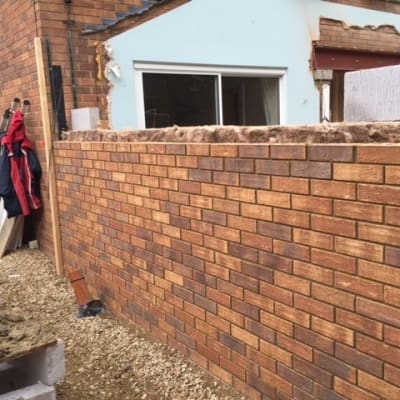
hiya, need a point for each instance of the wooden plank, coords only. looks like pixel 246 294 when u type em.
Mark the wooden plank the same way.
pixel 5 234
pixel 48 141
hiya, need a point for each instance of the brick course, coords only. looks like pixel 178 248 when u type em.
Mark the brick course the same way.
pixel 288 290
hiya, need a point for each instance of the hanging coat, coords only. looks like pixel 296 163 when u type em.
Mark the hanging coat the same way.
pixel 20 170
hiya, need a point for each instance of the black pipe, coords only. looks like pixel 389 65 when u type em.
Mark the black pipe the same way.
pixel 69 22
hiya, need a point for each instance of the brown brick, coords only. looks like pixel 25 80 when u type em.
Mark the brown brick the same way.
pixel 292 314
pixel 379 272
pixel 380 312
pixel 258 301
pixel 357 248
pixel 260 331
pixel 361 211
pixel 392 256
pixel 338 190
pixel 239 165
pixel 358 173
pixel 276 293
pixel 292 283
pixel 200 175
pixel 392 216
pixel 259 150
pixel 276 323
pixel 392 296
pixel 295 378
pixel 314 340
pixel 335 366
pixel 378 386
pixel 255 181
pixel 232 290
pixel 333 296
pixel 218 322
pixel 187 161
pixel 212 163
pixel 332 152
pixel 378 350
pixel 313 239
pixel 379 233
pixel 359 323
pixel 233 368
pixel 352 392
pixel 227 233
pixel 289 184
pixel 198 149
pixel 230 315
pixel 244 281
pixel 315 307
pixel 333 261
pixel 288 151
pixel 276 353
pixel 274 199
pixel 200 201
pixel 256 241
pixel 292 250
pixel 379 194
pixel 313 372
pixel 359 360
pixel 272 167
pixel 226 178
pixel 332 330
pixel 378 154
pixel 228 206
pixel 392 175
pixel 261 385
pixel 245 337
pixel 212 190
pixel 313 273
pixel 256 211
pixel 359 286
pixel 220 373
pixel 311 169
pixel 224 150
pixel 272 230
pixel 332 225
pixel 291 217
pixel 228 261
pixel 392 374
pixel 313 204
pixel 241 194
pixel 275 262
pixel 232 343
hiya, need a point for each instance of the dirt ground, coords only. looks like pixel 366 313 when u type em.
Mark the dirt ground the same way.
pixel 105 359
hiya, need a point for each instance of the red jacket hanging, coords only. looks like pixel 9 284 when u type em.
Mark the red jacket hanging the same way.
pixel 20 170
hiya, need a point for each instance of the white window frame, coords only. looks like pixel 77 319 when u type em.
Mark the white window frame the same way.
pixel 219 71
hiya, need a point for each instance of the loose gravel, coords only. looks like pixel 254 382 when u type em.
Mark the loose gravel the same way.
pixel 105 359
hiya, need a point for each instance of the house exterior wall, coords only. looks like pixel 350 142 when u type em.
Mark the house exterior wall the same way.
pixel 261 37
pixel 275 267
pixel 22 21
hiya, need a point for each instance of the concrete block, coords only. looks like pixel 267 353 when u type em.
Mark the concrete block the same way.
pixel 83 119
pixel 46 366
pixel 37 391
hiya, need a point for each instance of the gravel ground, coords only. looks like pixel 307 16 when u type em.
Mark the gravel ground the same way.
pixel 105 359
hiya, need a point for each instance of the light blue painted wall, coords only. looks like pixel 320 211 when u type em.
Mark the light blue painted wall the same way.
pixel 259 33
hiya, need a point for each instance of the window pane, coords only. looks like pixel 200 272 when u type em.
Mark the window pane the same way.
pixel 250 101
pixel 184 100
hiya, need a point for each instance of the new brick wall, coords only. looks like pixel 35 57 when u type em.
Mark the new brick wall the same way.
pixel 275 267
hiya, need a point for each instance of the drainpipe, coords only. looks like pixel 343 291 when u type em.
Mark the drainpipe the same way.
pixel 69 22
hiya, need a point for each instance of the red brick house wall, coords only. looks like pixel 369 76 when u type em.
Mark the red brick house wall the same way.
pixel 22 21
pixel 275 267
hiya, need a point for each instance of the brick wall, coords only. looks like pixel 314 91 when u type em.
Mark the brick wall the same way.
pixel 335 34
pixel 275 267
pixel 21 22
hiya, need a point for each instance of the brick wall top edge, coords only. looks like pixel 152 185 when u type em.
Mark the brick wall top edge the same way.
pixel 379 132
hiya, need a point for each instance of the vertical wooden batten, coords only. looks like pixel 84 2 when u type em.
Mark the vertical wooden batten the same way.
pixel 50 164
